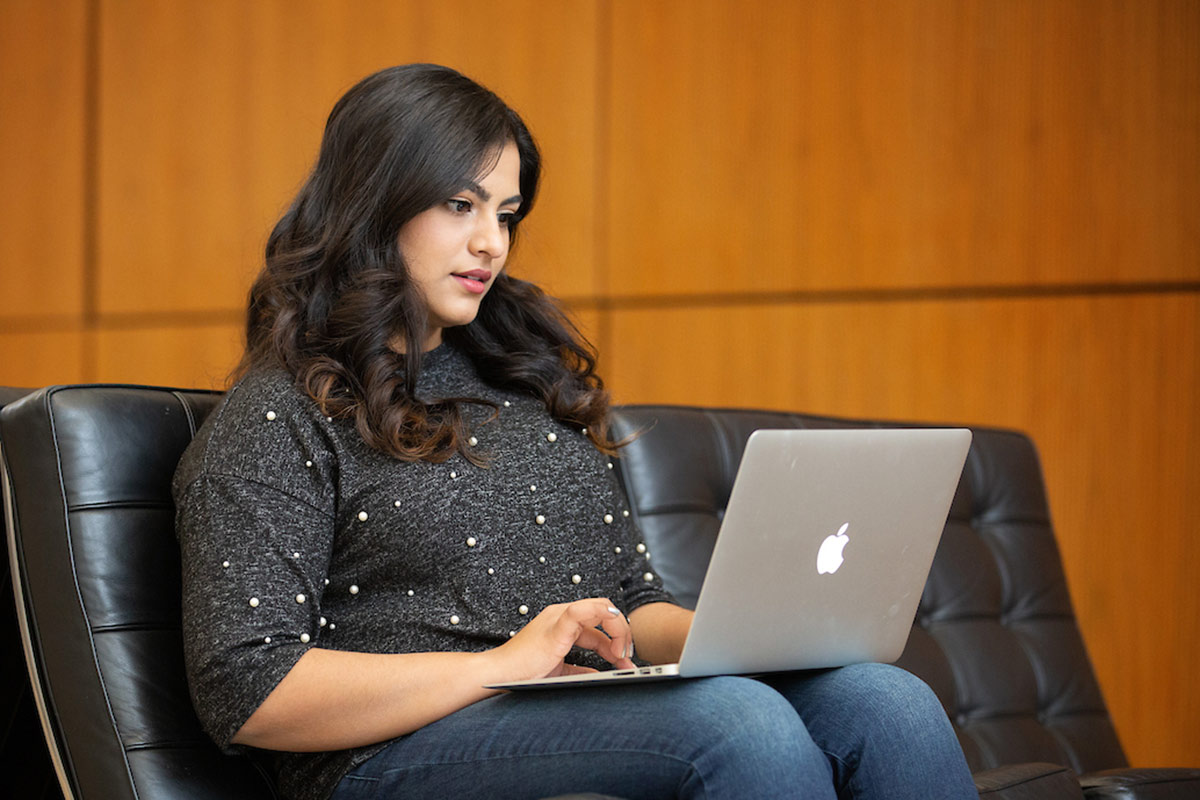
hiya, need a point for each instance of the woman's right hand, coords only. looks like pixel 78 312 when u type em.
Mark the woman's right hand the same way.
pixel 538 650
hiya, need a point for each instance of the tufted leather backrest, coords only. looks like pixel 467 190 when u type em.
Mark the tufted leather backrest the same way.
pixel 995 634
pixel 88 473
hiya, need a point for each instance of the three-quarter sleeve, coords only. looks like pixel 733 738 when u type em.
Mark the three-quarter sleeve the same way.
pixel 254 565
pixel 640 583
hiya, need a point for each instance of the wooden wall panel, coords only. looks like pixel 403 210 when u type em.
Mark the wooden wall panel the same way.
pixel 1105 385
pixel 42 79
pixel 192 357
pixel 38 359
pixel 772 146
pixel 211 115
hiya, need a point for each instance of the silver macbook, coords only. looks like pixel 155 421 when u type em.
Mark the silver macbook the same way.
pixel 822 555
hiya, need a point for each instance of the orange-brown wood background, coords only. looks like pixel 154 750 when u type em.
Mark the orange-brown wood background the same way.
pixel 944 210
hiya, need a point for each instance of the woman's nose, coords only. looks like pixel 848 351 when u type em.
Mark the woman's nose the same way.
pixel 490 237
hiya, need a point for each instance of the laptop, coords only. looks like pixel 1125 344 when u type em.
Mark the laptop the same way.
pixel 821 557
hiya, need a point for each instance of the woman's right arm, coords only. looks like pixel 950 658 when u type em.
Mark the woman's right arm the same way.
pixel 332 700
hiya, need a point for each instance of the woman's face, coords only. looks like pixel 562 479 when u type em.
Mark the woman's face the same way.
pixel 455 250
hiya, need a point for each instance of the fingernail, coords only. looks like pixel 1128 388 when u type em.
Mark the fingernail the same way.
pixel 631 649
pixel 613 611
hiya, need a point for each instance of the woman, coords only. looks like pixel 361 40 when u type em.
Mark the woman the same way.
pixel 408 495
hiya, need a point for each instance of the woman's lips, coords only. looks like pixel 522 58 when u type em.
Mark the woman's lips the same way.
pixel 474 281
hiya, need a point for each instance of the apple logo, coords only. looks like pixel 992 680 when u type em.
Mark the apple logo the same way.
pixel 829 557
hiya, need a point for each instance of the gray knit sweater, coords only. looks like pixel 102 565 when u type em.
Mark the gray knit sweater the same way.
pixel 295 534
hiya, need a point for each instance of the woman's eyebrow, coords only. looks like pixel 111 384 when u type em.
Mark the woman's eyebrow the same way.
pixel 485 195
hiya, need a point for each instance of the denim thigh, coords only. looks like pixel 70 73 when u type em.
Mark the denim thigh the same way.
pixel 884 731
pixel 711 738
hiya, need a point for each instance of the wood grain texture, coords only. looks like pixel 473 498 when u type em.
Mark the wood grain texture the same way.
pixel 767 146
pixel 212 112
pixel 42 78
pixel 1105 386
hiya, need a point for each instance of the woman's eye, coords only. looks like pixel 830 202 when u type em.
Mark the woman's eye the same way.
pixel 508 219
pixel 459 206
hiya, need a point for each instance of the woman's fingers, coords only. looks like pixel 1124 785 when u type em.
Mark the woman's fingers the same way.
pixel 617 646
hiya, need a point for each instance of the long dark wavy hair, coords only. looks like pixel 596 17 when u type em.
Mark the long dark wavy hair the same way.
pixel 335 290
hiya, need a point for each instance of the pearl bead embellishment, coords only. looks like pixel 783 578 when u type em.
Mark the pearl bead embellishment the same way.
pixel 541 559
pixel 308 464
pixel 411 593
pixel 608 518
pixel 472 441
pixel 617 550
pixel 576 579
pixel 552 437
pixel 625 513
pixel 507 404
pixel 353 589
pixel 362 516
pixel 491 571
pixel 647 577
pixel 470 541
pixel 323 622
pixel 254 602
pixel 454 619
pixel 523 610
pixel 300 598
pixel 225 564
pixel 270 416
pixel 453 474
pixel 539 519
pixel 641 548
pixel 266 640
pixel 305 638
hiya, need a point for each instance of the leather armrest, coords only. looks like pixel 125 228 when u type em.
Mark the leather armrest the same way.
pixel 1033 781
pixel 1142 784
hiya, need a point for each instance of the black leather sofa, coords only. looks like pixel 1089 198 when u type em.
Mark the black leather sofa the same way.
pixel 96 575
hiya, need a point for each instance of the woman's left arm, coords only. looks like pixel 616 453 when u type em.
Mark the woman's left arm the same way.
pixel 659 631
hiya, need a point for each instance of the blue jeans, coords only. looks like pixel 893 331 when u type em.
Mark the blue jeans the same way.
pixel 864 731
